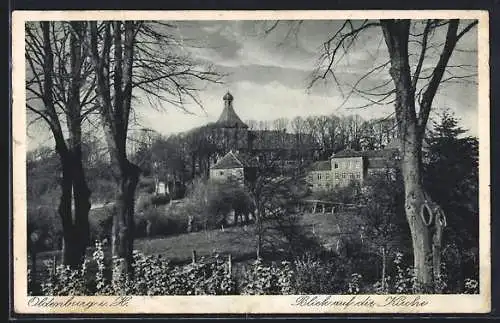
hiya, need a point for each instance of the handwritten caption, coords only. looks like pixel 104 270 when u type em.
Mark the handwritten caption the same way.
pixel 73 302
pixel 360 301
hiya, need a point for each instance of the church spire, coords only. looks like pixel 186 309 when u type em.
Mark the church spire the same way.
pixel 228 117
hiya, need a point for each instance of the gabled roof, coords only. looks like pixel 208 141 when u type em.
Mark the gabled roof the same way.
pixel 235 160
pixel 323 165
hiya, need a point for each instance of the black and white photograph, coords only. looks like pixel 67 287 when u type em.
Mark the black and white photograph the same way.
pixel 324 163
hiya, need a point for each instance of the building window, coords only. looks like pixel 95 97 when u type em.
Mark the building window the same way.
pixel 336 165
pixel 221 173
pixel 358 176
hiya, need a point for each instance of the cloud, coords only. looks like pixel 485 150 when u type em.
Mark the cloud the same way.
pixel 269 76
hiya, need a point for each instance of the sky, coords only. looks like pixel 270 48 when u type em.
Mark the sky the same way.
pixel 268 75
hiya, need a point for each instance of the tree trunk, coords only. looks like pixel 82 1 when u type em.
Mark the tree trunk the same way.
pixel 396 38
pixel 81 198
pixel 123 219
pixel 414 200
pixel 74 221
pixel 65 212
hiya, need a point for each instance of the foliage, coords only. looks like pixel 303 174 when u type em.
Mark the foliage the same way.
pixel 382 214
pixel 146 184
pixel 44 224
pixel 210 202
pixel 348 194
pixel 316 276
pixel 452 179
pixel 152 276
pixel 155 275
pixel 160 199
pixel 160 222
pixel 268 279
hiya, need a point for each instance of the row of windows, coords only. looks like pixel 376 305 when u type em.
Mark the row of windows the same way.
pixel 348 164
pixel 337 176
pixel 347 175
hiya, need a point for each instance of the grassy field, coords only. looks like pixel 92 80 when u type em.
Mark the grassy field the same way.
pixel 238 241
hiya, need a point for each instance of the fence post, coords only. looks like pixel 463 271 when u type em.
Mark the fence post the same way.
pixel 54 264
pixel 193 256
pixel 383 268
pixel 230 263
pixel 63 249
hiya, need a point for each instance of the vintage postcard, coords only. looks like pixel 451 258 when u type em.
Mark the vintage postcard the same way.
pixel 251 162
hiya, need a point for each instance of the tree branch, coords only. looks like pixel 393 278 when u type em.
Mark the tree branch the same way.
pixel 430 92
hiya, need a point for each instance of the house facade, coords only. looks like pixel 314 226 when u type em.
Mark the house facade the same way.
pixel 234 166
pixel 348 165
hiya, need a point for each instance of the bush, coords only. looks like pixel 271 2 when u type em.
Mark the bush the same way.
pixel 161 199
pixel 44 224
pixel 344 194
pixel 146 184
pixel 209 203
pixel 102 189
pixel 156 221
pixel 272 279
pixel 154 275
pixel 316 276
pixel 100 223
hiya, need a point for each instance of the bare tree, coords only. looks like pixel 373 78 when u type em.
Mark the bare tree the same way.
pixel 131 58
pixel 59 93
pixel 274 195
pixel 280 124
pixel 412 92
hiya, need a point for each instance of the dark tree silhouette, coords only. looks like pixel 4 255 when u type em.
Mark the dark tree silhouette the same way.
pixel 60 91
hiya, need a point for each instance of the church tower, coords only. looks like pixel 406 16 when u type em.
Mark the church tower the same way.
pixel 233 132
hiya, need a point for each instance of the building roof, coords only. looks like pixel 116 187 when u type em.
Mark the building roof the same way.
pixel 381 158
pixel 323 165
pixel 380 153
pixel 235 160
pixel 228 118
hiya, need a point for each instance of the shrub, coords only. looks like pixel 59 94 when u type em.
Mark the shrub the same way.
pixel 152 276
pixel 344 194
pixel 316 276
pixel 273 279
pixel 146 184
pixel 161 199
pixel 160 222
pixel 44 223
pixel 100 223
